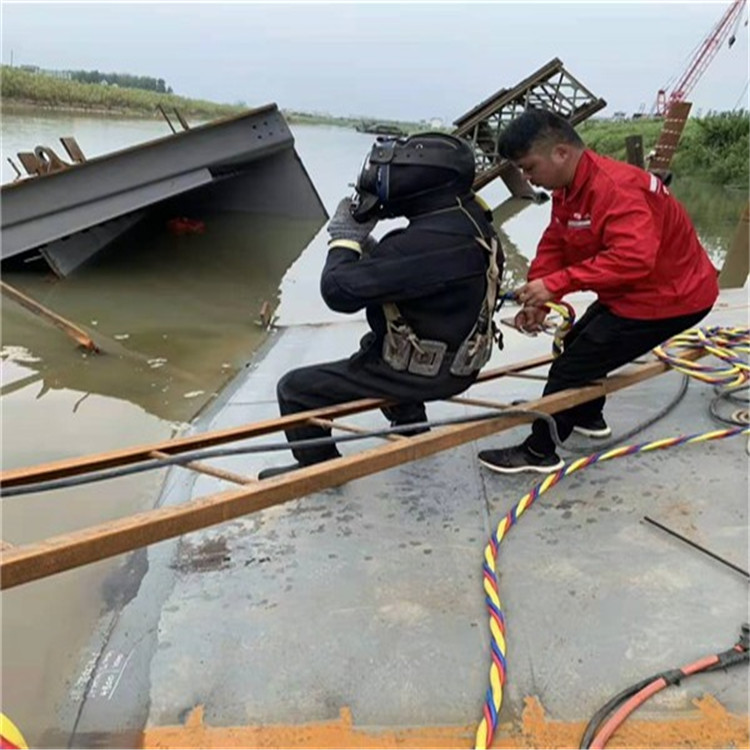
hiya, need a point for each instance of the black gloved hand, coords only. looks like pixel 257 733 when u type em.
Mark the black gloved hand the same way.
pixel 345 231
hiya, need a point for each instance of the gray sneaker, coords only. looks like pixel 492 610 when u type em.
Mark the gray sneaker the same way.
pixel 517 459
pixel 594 428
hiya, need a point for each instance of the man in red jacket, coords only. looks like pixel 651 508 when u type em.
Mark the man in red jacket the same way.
pixel 615 230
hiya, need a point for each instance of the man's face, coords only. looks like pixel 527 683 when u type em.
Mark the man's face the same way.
pixel 546 166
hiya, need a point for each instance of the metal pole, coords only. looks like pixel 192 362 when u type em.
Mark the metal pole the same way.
pixel 698 547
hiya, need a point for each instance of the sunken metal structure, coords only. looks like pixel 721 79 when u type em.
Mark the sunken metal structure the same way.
pixel 68 212
pixel 551 87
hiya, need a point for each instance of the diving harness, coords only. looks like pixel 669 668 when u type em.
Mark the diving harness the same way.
pixel 403 350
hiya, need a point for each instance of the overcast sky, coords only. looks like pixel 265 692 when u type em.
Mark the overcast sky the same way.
pixel 407 61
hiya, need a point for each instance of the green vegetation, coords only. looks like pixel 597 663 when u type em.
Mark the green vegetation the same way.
pixel 715 148
pixel 126 80
pixel 19 87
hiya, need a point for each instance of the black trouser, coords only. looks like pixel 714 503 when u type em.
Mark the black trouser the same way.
pixel 363 375
pixel 597 344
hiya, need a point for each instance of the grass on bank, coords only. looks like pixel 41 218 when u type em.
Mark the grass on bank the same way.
pixel 713 149
pixel 22 88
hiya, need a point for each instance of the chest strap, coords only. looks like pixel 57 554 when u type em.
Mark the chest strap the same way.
pixel 403 350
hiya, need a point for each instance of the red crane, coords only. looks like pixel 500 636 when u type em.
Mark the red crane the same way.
pixel 702 57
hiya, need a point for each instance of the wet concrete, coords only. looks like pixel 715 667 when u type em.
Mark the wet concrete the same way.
pixel 368 597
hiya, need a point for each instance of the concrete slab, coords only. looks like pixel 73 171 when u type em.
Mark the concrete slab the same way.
pixel 368 597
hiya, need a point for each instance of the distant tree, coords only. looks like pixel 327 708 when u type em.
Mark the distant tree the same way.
pixel 124 80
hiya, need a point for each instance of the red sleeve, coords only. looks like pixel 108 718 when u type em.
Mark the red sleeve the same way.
pixel 549 252
pixel 630 246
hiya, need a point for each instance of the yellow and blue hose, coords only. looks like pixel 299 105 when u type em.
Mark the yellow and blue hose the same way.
pixel 727 344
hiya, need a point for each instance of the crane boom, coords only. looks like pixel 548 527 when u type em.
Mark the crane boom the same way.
pixel 702 58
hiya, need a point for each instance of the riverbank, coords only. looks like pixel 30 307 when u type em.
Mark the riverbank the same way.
pixel 22 91
pixel 714 148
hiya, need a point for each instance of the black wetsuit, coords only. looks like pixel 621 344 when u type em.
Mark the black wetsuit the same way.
pixel 435 271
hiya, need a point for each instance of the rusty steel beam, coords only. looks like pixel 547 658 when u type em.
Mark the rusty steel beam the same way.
pixel 669 137
pixel 127 456
pixel 30 562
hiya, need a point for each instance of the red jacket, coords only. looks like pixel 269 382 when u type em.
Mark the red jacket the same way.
pixel 617 231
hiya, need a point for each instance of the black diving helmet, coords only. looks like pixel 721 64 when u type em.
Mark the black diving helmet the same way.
pixel 414 175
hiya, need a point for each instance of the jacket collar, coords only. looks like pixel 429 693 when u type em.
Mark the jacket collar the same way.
pixel 584 170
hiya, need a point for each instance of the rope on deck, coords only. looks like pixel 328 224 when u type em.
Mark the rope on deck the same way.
pixel 727 344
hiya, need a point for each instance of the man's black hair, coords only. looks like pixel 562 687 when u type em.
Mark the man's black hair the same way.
pixel 533 127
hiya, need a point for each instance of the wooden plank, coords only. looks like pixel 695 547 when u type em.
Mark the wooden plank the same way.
pixel 634 150
pixel 31 562
pixel 126 456
pixel 344 427
pixel 73 331
pixel 227 476
pixel 479 402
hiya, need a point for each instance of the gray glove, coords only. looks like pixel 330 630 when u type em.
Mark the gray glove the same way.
pixel 345 231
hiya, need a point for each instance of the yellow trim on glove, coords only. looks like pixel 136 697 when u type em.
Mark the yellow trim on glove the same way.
pixel 348 244
pixel 482 203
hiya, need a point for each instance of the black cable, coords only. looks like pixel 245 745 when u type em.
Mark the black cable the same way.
pixel 612 442
pixel 725 659
pixel 187 456
pixel 727 394
pixel 316 442
pixel 609 707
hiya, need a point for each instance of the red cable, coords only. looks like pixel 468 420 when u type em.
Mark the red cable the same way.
pixel 615 721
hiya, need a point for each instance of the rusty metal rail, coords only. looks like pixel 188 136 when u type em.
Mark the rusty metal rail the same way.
pixel 33 561
pixel 127 456
pixel 669 137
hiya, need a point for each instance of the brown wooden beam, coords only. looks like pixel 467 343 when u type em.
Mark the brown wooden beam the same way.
pixel 70 329
pixel 227 476
pixel 344 427
pixel 486 403
pixel 31 562
pixel 126 456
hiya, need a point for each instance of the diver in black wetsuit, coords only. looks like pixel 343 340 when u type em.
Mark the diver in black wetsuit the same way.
pixel 428 290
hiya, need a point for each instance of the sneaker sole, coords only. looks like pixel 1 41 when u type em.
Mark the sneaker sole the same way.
pixel 593 433
pixel 519 469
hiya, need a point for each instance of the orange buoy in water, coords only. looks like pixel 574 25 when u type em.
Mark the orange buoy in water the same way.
pixel 10 736
pixel 182 225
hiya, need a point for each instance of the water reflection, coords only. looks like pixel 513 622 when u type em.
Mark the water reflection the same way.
pixel 715 211
pixel 174 316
